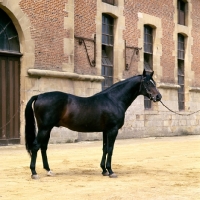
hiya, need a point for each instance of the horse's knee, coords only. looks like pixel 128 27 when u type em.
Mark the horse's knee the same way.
pixel 110 151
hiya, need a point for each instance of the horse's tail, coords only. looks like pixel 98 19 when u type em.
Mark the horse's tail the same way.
pixel 30 130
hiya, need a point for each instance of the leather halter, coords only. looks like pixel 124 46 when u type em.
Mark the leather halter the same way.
pixel 142 84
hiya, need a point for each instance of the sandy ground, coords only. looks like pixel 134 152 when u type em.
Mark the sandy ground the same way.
pixel 150 169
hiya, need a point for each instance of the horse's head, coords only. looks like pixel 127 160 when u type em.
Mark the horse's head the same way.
pixel 148 87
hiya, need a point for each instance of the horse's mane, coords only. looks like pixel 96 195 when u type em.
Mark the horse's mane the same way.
pixel 114 86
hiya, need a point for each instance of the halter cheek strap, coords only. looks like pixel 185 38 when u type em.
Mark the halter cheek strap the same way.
pixel 142 83
pixel 142 80
pixel 147 91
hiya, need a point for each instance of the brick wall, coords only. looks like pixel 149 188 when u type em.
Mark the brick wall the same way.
pixel 196 39
pixel 85 26
pixel 158 8
pixel 47 30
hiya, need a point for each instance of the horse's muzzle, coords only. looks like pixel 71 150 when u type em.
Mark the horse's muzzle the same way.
pixel 156 98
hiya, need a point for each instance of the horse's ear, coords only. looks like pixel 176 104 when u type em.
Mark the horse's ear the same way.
pixel 152 73
pixel 144 73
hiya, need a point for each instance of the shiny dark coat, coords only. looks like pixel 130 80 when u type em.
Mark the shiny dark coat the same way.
pixel 102 112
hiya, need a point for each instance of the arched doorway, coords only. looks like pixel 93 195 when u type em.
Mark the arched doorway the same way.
pixel 9 81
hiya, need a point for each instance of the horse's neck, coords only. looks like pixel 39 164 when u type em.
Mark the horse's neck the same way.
pixel 128 92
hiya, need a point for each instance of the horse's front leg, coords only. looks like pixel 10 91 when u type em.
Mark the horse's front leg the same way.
pixel 110 146
pixel 103 160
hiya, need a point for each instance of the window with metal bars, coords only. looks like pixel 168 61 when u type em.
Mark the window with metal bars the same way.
pixel 181 11
pixel 148 57
pixel 181 77
pixel 181 49
pixel 107 30
pixel 112 2
pixel 148 39
pixel 107 50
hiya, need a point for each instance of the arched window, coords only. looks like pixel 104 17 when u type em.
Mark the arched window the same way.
pixel 8 35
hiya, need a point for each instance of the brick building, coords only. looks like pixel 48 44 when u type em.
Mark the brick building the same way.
pixel 84 46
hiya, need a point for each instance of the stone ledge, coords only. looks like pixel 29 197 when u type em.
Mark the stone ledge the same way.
pixel 68 75
pixel 194 89
pixel 168 86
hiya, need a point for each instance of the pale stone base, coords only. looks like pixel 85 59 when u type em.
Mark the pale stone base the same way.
pixel 139 123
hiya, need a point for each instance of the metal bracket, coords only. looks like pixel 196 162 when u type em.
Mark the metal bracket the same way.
pixel 81 40
pixel 135 51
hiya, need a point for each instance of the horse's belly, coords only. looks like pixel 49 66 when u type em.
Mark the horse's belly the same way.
pixel 84 128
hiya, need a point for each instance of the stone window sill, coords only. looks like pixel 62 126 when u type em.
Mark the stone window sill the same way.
pixel 68 75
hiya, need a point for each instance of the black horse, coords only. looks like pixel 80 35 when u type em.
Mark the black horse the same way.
pixel 102 112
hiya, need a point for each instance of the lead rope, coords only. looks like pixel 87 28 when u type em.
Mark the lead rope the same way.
pixel 177 112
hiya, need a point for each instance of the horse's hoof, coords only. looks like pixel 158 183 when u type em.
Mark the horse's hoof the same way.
pixel 35 176
pixel 113 175
pixel 50 173
pixel 105 173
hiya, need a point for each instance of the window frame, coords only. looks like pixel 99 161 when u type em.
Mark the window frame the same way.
pixel 181 74
pixel 181 6
pixel 107 50
pixel 107 30
pixel 148 58
pixel 148 39
pixel 181 47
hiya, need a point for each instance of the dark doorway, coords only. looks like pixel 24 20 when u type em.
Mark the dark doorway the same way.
pixel 9 82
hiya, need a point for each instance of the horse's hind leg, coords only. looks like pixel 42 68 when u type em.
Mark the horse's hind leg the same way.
pixel 44 147
pixel 41 137
pixel 34 151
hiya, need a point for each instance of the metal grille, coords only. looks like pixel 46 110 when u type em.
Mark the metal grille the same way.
pixel 181 90
pixel 181 48
pixel 181 57
pixel 107 71
pixel 107 30
pixel 112 2
pixel 148 58
pixel 9 99
pixel 147 103
pixel 181 12
pixel 107 50
pixel 148 39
